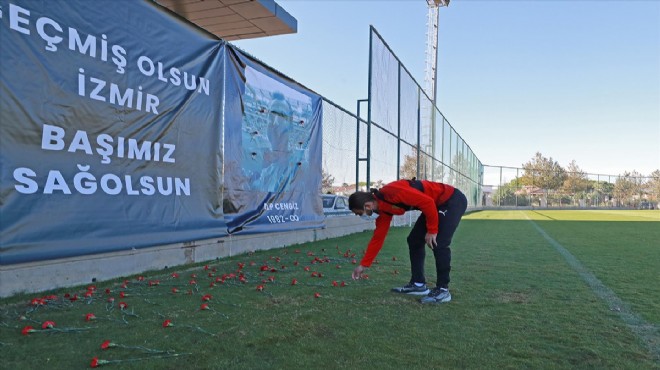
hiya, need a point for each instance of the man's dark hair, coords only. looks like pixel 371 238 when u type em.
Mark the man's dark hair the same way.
pixel 358 199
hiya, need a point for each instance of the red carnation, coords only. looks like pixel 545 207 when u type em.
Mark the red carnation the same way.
pixel 206 297
pixel 48 325
pixel 27 330
pixel 90 317
pixel 317 295
pixel 167 323
pixel 107 344
pixel 96 362
pixel 260 288
pixel 123 305
pixel 294 282
pixel 204 306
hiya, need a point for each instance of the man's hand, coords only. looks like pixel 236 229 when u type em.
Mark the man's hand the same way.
pixel 357 273
pixel 430 240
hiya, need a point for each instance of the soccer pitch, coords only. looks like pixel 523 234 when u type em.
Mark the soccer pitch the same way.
pixel 531 289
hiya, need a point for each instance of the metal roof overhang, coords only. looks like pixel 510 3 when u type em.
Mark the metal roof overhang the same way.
pixel 235 19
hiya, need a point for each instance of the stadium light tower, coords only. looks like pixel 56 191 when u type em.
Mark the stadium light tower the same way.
pixel 431 70
pixel 428 134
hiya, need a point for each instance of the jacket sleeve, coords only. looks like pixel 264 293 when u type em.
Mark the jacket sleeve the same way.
pixel 376 243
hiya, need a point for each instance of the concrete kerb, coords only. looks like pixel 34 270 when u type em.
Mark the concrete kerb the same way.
pixel 41 276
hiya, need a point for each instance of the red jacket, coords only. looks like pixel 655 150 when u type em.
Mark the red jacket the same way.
pixel 435 194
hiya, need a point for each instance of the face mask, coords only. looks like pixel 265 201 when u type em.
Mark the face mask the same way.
pixel 370 217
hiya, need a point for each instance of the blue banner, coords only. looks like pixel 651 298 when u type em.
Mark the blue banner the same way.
pixel 273 150
pixel 111 129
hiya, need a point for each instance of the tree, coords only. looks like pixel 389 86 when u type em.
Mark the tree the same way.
pixel 627 187
pixel 408 169
pixel 543 172
pixel 507 195
pixel 576 183
pixel 326 181
pixel 653 186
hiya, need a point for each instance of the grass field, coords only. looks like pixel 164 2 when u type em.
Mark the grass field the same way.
pixel 531 289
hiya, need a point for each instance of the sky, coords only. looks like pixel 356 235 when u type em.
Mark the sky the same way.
pixel 574 80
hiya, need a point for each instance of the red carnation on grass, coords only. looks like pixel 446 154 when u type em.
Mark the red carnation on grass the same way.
pixel 89 293
pixel 48 325
pixel 111 299
pixel 90 317
pixel 91 287
pixel 260 288
pixel 334 283
pixel 96 362
pixel 317 295
pixel 343 284
pixel 107 344
pixel 175 290
pixel 294 282
pixel 167 323
pixel 107 291
pixel 192 282
pixel 174 275
pixel 306 268
pixel 206 297
pixel 204 306
pixel 194 276
pixel 206 267
pixel 140 278
pixel 27 330
pixel 122 294
pixel 354 262
pixel 264 268
pixel 123 305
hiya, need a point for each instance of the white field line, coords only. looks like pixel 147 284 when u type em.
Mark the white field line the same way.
pixel 648 333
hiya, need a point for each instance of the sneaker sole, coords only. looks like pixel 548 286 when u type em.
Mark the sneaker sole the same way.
pixel 428 301
pixel 425 292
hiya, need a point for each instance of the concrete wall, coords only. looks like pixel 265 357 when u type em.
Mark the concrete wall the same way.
pixel 67 272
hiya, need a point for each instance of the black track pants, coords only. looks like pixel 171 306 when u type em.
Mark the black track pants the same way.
pixel 449 216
